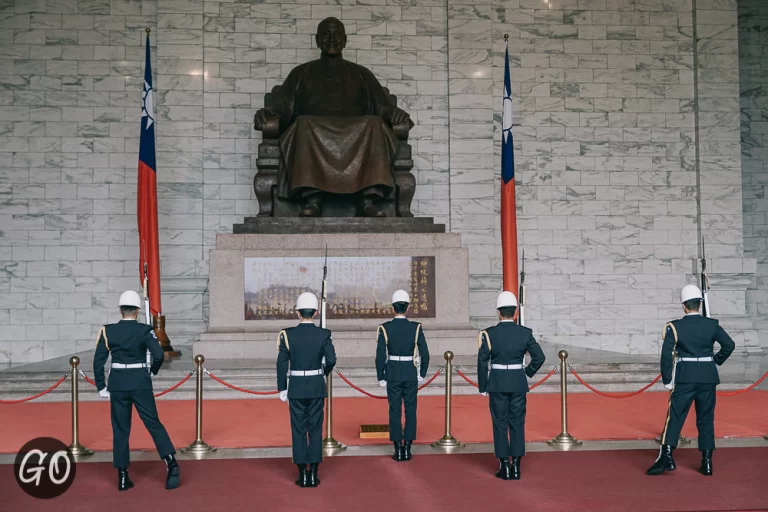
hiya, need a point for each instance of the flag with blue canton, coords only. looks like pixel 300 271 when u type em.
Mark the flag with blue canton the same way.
pixel 149 246
pixel 508 208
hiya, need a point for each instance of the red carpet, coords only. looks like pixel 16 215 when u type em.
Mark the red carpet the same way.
pixel 262 423
pixel 552 481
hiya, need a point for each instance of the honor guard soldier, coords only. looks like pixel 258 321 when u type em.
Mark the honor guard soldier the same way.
pixel 501 375
pixel 689 368
pixel 307 351
pixel 402 359
pixel 131 385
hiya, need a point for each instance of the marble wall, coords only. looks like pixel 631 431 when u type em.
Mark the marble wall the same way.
pixel 627 151
pixel 753 72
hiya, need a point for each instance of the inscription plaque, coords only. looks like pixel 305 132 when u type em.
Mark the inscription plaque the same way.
pixel 358 287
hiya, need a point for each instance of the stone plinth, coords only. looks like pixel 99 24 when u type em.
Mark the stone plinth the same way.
pixel 230 335
pixel 327 225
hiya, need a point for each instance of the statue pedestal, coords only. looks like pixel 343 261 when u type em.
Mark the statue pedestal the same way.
pixel 255 279
pixel 329 225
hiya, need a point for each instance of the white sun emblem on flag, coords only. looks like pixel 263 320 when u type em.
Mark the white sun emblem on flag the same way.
pixel 506 116
pixel 147 104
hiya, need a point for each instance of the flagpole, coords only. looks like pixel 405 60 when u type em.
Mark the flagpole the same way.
pixel 508 208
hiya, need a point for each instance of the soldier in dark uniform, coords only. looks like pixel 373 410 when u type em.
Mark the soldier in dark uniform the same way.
pixel 307 350
pixel 501 374
pixel 402 359
pixel 689 368
pixel 131 385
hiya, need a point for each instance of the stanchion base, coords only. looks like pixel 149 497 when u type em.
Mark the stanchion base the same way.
pixel 564 442
pixel 447 444
pixel 332 447
pixel 198 449
pixel 79 450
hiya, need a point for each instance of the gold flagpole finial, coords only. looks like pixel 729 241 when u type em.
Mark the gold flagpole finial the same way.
pixel 506 37
pixel 148 31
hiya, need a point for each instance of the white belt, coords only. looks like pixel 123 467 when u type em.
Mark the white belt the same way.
pixel 506 367
pixel 129 366
pixel 401 358
pixel 308 373
pixel 696 359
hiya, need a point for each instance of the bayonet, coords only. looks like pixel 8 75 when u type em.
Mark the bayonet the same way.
pixel 704 283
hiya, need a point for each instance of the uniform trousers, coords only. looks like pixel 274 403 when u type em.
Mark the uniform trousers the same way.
pixel 508 417
pixel 680 400
pixel 399 394
pixel 122 403
pixel 307 429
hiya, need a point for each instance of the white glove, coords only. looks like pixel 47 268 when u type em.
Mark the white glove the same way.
pixel 420 378
pixel 284 395
pixel 484 394
pixel 104 393
pixel 383 383
pixel 668 386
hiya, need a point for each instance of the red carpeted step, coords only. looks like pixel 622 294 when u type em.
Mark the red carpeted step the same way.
pixel 552 481
pixel 265 423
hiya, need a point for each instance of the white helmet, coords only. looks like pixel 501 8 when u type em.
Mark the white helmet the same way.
pixel 306 300
pixel 401 296
pixel 689 292
pixel 506 300
pixel 130 298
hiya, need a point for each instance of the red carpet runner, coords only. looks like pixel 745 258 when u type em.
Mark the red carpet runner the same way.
pixel 264 423
pixel 552 481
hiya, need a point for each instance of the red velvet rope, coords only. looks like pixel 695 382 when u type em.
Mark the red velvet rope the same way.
pixel 157 395
pixel 371 395
pixel 57 384
pixel 242 390
pixel 531 388
pixel 614 395
pixel 740 391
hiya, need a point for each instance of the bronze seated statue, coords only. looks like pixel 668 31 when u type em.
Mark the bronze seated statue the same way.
pixel 334 141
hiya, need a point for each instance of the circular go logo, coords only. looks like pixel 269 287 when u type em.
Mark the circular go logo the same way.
pixel 44 468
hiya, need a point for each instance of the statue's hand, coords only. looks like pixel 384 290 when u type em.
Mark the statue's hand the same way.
pixel 397 116
pixel 260 119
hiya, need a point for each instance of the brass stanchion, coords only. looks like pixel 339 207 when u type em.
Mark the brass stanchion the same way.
pixel 199 447
pixel 76 448
pixel 564 440
pixel 682 440
pixel 448 443
pixel 330 445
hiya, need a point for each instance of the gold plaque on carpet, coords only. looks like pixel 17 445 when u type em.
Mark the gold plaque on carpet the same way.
pixel 374 431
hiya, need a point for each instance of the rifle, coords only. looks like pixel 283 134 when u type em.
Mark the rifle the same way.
pixel 521 295
pixel 704 283
pixel 324 291
pixel 147 313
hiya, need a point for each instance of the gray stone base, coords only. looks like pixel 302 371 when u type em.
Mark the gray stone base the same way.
pixel 229 335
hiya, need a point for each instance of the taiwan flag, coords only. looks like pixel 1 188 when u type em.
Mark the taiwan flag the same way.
pixel 508 210
pixel 149 246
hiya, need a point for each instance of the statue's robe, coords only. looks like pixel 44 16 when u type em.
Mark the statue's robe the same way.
pixel 332 135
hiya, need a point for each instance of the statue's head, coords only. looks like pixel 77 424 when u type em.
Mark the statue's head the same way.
pixel 331 37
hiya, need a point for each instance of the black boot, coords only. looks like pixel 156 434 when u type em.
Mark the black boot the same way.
pixel 398 455
pixel 407 450
pixel 303 480
pixel 706 463
pixel 664 462
pixel 515 468
pixel 173 472
pixel 504 472
pixel 313 480
pixel 123 481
